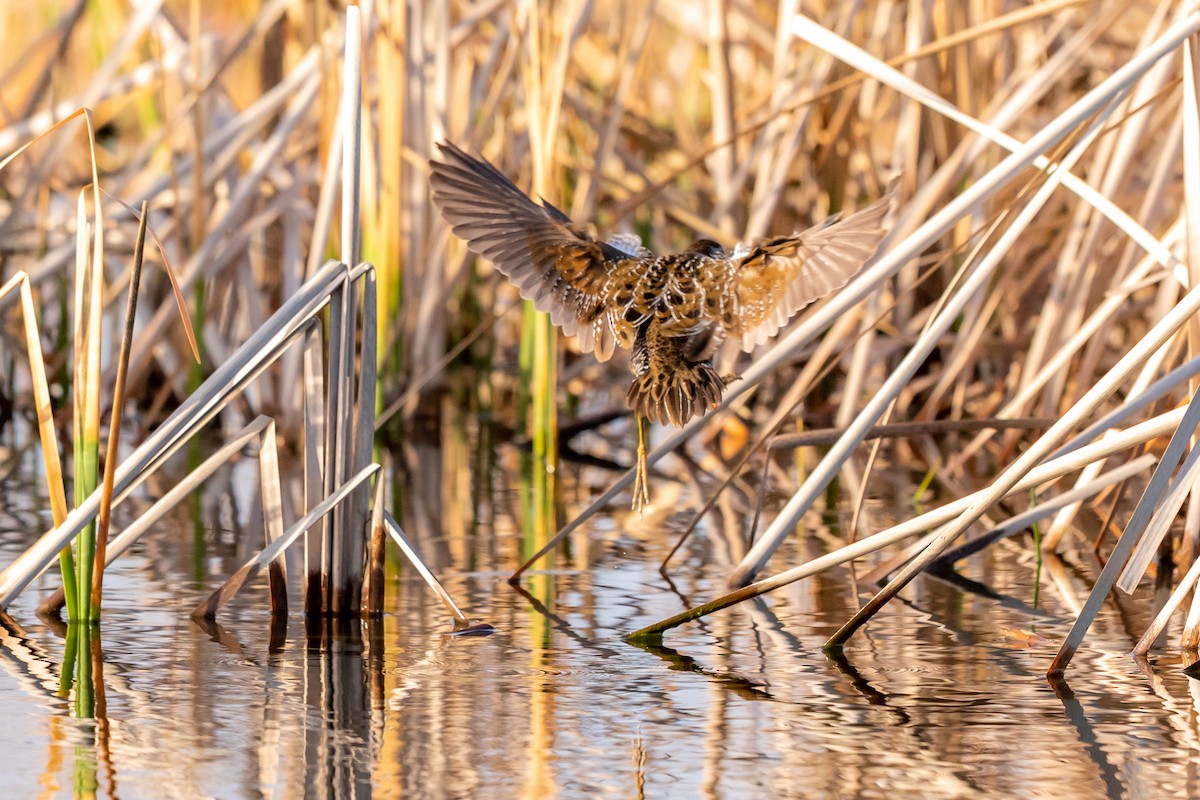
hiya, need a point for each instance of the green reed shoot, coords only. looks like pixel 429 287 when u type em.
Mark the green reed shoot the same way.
pixel 89 286
pixel 85 694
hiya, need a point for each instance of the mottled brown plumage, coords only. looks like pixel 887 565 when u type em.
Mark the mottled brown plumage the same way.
pixel 673 310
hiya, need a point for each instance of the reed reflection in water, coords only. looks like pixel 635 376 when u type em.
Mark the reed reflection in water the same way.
pixel 944 696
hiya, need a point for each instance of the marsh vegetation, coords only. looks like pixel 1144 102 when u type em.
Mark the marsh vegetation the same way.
pixel 229 303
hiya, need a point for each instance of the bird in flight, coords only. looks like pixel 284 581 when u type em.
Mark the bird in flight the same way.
pixel 673 311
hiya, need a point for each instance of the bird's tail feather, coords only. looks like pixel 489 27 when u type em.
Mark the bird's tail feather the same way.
pixel 675 395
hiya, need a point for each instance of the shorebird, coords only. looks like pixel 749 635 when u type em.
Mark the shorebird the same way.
pixel 673 311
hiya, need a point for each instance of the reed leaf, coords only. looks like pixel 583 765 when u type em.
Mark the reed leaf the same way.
pixel 104 515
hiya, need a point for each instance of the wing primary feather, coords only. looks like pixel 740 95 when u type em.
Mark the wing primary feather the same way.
pixel 774 279
pixel 552 261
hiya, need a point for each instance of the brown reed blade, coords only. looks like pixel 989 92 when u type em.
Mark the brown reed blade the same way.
pixel 104 517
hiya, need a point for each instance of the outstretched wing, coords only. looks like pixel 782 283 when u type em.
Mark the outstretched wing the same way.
pixel 553 262
pixel 775 278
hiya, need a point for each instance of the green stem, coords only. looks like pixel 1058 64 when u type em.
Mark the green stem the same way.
pixel 87 463
pixel 66 676
pixel 66 565
pixel 85 691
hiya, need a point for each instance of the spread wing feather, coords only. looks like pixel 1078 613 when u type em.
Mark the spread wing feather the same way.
pixel 552 262
pixel 775 278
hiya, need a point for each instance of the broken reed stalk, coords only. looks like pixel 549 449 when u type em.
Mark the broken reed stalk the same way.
pixel 1052 469
pixel 252 358
pixel 896 430
pixel 314 469
pixel 104 516
pixel 1178 595
pixel 374 576
pixel 410 552
pixel 1031 516
pixel 272 506
pixel 208 608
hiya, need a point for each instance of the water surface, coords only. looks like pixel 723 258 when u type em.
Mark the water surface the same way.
pixel 943 695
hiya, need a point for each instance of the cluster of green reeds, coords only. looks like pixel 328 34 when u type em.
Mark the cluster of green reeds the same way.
pixel 82 563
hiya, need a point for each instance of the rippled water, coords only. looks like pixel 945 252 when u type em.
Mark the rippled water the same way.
pixel 943 695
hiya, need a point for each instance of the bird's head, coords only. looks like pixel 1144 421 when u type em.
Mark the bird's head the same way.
pixel 707 247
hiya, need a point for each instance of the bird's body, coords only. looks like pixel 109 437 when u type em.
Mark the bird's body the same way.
pixel 672 311
pixel 667 312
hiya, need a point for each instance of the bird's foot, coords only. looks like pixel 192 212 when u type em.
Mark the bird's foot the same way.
pixel 641 488
pixel 641 491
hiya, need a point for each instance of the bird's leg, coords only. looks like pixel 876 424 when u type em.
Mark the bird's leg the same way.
pixel 641 492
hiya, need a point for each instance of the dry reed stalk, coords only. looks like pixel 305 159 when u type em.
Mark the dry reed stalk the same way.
pixel 1185 584
pixel 272 506
pixel 104 515
pixel 1030 517
pixel 343 457
pixel 1144 348
pixel 208 608
pixel 315 422
pixel 373 580
pixel 393 529
pixel 1048 471
pixel 1118 558
pixel 146 521
pixel 45 422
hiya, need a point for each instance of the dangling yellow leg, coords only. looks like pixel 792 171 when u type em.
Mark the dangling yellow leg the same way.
pixel 641 491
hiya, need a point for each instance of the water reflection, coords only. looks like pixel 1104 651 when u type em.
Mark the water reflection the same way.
pixel 942 696
pixel 554 704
